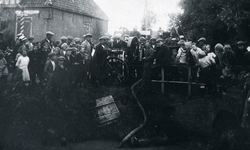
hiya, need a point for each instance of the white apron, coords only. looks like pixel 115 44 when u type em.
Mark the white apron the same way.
pixel 26 75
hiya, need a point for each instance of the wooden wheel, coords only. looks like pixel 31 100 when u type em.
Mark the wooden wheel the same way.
pixel 117 70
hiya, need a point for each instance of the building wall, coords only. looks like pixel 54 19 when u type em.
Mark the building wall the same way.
pixel 8 18
pixel 62 23
pixel 65 23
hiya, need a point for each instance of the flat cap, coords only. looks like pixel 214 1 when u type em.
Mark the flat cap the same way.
pixel 64 38
pixel 70 38
pixel 201 39
pixel 227 47
pixel 61 58
pixel 240 43
pixel 102 38
pixel 153 38
pixel 181 42
pixel 51 54
pixel 64 45
pixel 77 40
pixel 142 39
pixel 218 47
pixel 87 35
pixel 49 33
pixel 159 39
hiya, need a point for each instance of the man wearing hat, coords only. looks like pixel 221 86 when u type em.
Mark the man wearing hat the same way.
pixel 35 67
pixel 69 60
pixel 86 46
pixel 164 54
pixel 126 37
pixel 70 40
pixel 153 42
pixel 240 52
pixel 148 55
pixel 119 43
pixel 60 78
pixel 202 45
pixel 47 45
pixel 99 69
pixel 63 40
pixel 77 41
pixel 49 67
pixel 182 37
pixel 30 43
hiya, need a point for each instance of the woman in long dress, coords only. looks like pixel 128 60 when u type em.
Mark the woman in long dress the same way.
pixel 22 63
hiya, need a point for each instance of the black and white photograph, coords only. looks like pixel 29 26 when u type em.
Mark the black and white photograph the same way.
pixel 124 74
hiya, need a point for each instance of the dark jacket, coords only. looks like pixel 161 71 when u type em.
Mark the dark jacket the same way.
pixel 240 56
pixel 99 63
pixel 164 55
pixel 35 61
pixel 119 45
pixel 68 62
pixel 46 47
pixel 60 77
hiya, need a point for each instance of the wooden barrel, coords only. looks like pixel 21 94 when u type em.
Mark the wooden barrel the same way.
pixel 106 110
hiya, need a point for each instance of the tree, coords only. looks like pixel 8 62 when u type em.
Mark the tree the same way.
pixel 217 20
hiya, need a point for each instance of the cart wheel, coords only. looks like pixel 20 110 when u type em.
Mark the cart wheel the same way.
pixel 117 70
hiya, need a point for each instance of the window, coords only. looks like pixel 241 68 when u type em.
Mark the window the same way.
pixel 86 28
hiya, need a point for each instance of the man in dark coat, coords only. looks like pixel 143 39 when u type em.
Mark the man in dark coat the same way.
pixel 240 52
pixel 47 45
pixel 35 66
pixel 81 73
pixel 69 59
pixel 49 70
pixel 60 79
pixel 119 44
pixel 148 58
pixel 99 64
pixel 164 54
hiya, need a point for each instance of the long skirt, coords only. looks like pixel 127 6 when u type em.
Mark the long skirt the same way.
pixel 26 75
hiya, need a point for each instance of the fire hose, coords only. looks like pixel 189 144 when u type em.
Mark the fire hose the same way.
pixel 144 115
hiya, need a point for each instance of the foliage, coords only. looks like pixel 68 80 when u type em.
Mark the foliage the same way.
pixel 217 20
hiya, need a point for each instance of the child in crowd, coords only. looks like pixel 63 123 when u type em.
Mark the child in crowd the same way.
pixel 22 63
pixel 182 53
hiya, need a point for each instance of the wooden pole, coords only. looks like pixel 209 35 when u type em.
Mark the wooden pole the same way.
pixel 22 22
pixel 189 83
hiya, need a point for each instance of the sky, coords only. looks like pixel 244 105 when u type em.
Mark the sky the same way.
pixel 129 13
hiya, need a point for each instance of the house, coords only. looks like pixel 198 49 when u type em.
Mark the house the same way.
pixel 63 17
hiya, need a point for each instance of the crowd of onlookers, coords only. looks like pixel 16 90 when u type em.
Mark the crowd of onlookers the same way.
pixel 79 62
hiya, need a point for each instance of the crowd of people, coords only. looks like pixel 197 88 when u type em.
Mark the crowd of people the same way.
pixel 79 62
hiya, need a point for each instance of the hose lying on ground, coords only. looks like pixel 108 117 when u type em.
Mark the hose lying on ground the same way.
pixel 144 115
